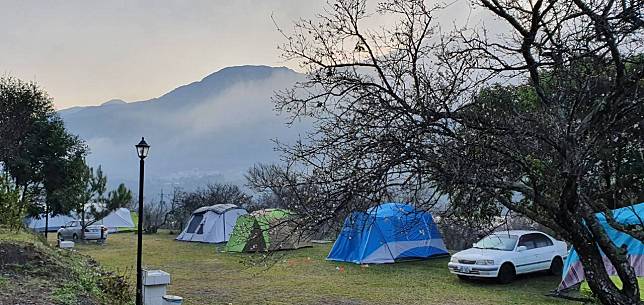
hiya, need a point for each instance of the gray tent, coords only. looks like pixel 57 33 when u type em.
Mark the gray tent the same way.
pixel 212 224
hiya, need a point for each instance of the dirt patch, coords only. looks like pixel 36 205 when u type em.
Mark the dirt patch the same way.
pixel 16 255
pixel 31 276
pixel 25 290
pixel 25 272
pixel 26 259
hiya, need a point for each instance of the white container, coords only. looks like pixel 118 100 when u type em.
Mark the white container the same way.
pixel 66 244
pixel 154 286
pixel 172 300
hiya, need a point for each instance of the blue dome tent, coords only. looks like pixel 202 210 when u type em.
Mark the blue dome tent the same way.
pixel 387 233
pixel 573 270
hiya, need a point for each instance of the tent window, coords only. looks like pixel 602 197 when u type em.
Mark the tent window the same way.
pixel 194 223
pixel 200 231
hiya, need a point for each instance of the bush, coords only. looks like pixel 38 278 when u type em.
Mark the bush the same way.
pixel 11 213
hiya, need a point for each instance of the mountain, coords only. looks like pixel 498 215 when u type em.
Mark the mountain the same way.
pixel 209 130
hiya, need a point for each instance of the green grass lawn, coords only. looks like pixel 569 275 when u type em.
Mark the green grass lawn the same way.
pixel 203 275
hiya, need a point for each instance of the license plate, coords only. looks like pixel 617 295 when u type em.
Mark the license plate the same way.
pixel 464 269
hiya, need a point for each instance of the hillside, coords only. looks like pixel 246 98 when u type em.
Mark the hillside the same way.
pixel 32 272
pixel 209 130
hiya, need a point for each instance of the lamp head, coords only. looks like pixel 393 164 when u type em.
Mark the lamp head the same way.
pixel 142 149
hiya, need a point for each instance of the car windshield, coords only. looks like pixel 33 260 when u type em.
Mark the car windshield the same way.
pixel 503 242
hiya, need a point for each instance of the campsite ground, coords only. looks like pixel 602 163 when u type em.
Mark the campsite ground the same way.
pixel 203 275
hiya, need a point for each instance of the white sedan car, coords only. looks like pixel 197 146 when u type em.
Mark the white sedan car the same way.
pixel 72 231
pixel 505 254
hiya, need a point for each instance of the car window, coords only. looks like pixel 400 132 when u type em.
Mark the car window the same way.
pixel 534 240
pixel 527 241
pixel 498 242
pixel 542 241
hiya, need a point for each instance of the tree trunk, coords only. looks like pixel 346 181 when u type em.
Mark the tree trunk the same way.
pixel 583 232
pixel 82 222
pixel 594 270
pixel 46 220
pixel 599 281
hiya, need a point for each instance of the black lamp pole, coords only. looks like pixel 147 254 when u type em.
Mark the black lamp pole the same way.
pixel 142 150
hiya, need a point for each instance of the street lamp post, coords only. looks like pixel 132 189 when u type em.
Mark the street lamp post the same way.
pixel 142 151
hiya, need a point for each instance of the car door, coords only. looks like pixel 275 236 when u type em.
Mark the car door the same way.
pixel 65 232
pixel 73 229
pixel 545 250
pixel 526 260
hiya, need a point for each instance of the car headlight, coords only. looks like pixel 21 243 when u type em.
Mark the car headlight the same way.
pixel 453 259
pixel 485 262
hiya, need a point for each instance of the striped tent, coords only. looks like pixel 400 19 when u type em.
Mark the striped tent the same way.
pixel 574 272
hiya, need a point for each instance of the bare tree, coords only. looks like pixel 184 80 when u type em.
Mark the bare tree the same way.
pixel 156 214
pixel 184 203
pixel 544 120
pixel 283 187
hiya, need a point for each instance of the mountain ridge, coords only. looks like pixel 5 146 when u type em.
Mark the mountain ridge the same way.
pixel 212 129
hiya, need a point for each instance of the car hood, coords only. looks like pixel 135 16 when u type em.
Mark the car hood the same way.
pixel 475 253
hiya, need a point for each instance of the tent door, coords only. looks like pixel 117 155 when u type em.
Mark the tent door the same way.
pixel 255 240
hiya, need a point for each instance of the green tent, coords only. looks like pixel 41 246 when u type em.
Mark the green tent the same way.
pixel 265 230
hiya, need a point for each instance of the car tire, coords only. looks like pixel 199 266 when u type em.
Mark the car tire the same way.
pixel 75 237
pixel 463 277
pixel 506 273
pixel 556 266
pixel 60 237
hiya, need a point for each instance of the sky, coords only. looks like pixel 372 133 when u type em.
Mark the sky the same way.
pixel 87 52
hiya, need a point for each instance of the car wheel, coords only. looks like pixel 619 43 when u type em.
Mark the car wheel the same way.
pixel 463 277
pixel 556 266
pixel 75 237
pixel 506 273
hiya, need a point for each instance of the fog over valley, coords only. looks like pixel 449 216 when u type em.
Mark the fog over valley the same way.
pixel 210 130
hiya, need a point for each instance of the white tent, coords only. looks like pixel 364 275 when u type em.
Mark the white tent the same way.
pixel 55 222
pixel 119 220
pixel 212 224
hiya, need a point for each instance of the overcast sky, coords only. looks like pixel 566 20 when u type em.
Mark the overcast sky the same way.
pixel 87 52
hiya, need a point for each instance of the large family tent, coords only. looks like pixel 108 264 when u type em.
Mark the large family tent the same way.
pixel 387 233
pixel 55 222
pixel 573 270
pixel 266 230
pixel 212 224
pixel 119 220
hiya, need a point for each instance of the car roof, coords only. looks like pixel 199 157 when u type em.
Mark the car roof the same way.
pixel 517 232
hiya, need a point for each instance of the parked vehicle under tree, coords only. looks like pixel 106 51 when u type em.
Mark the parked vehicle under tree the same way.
pixel 72 231
pixel 503 255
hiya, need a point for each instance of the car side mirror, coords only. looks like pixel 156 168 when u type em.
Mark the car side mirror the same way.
pixel 521 248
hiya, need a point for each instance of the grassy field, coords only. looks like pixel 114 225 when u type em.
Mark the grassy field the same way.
pixel 203 275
